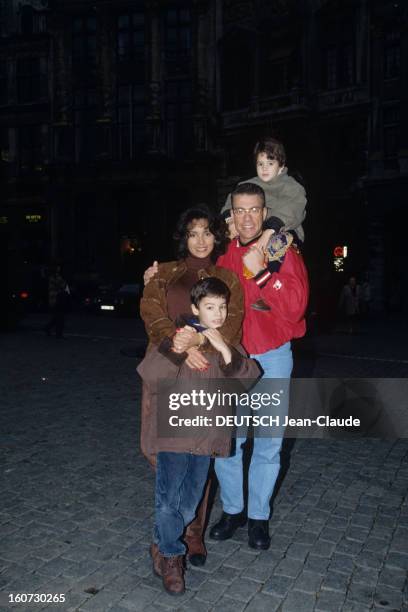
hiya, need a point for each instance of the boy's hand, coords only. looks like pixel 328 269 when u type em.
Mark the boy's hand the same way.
pixel 254 259
pixel 196 360
pixel 232 232
pixel 264 239
pixel 185 338
pixel 150 272
pixel 218 342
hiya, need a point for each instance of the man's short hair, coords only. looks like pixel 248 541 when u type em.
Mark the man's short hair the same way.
pixel 273 149
pixel 209 286
pixel 248 189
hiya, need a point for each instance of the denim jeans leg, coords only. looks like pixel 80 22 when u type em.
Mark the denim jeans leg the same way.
pixel 230 476
pixel 265 461
pixel 180 480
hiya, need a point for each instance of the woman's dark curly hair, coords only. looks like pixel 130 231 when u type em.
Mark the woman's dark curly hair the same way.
pixel 216 225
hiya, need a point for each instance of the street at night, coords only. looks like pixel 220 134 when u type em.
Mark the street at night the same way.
pixel 77 495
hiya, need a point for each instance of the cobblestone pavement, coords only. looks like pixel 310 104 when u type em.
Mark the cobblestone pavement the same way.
pixel 76 497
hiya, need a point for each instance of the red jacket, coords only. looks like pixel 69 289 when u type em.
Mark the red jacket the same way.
pixel 286 293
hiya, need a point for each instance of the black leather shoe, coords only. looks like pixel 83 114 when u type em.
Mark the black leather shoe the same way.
pixel 258 534
pixel 227 526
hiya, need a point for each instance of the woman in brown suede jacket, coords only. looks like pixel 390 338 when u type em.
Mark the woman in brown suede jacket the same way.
pixel 201 238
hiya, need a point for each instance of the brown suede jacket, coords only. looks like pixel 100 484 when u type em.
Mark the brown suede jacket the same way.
pixel 153 305
pixel 160 328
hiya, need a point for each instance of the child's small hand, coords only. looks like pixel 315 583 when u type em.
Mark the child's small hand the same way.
pixel 262 243
pixel 232 231
pixel 218 342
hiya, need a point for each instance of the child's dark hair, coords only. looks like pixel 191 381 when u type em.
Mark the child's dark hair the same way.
pixel 216 226
pixel 272 148
pixel 209 286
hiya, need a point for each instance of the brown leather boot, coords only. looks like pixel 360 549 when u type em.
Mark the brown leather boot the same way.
pixel 194 536
pixel 156 557
pixel 172 571
pixel 197 552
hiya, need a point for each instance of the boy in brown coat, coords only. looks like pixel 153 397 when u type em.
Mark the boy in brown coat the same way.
pixel 183 462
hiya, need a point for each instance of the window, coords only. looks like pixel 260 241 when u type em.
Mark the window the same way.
pixel 3 81
pixel 84 43
pixel 278 83
pixel 179 118
pixel 84 124
pixel 392 55
pixel 177 39
pixel 4 144
pixel 32 147
pixel 131 37
pixel 391 129
pixel 32 21
pixel 63 143
pixel 131 109
pixel 237 72
pixel 339 66
pixel 31 79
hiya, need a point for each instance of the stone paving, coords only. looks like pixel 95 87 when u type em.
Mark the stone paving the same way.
pixel 76 497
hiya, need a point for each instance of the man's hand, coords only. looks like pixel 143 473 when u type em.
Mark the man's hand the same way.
pixel 150 272
pixel 196 360
pixel 254 259
pixel 218 342
pixel 264 239
pixel 185 338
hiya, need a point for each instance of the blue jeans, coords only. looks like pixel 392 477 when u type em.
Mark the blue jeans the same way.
pixel 180 480
pixel 265 460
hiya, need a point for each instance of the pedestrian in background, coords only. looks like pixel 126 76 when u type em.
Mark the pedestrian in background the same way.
pixel 58 293
pixel 365 297
pixel 349 303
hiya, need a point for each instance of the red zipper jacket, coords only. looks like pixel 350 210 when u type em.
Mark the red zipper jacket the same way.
pixel 286 293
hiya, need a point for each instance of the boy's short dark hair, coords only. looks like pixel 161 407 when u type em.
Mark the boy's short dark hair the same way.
pixel 273 149
pixel 209 286
pixel 248 189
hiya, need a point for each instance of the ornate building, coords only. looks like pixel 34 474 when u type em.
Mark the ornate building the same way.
pixel 116 115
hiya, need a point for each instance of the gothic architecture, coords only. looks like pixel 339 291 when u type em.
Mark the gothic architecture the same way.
pixel 117 114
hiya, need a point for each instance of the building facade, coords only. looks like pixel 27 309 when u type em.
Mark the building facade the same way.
pixel 116 115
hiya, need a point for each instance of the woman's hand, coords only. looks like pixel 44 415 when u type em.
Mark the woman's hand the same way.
pixel 262 243
pixel 196 360
pixel 185 338
pixel 150 272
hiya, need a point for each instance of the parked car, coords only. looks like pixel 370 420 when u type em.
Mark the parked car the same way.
pixel 109 300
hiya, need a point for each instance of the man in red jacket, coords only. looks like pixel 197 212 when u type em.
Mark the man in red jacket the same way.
pixel 283 286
